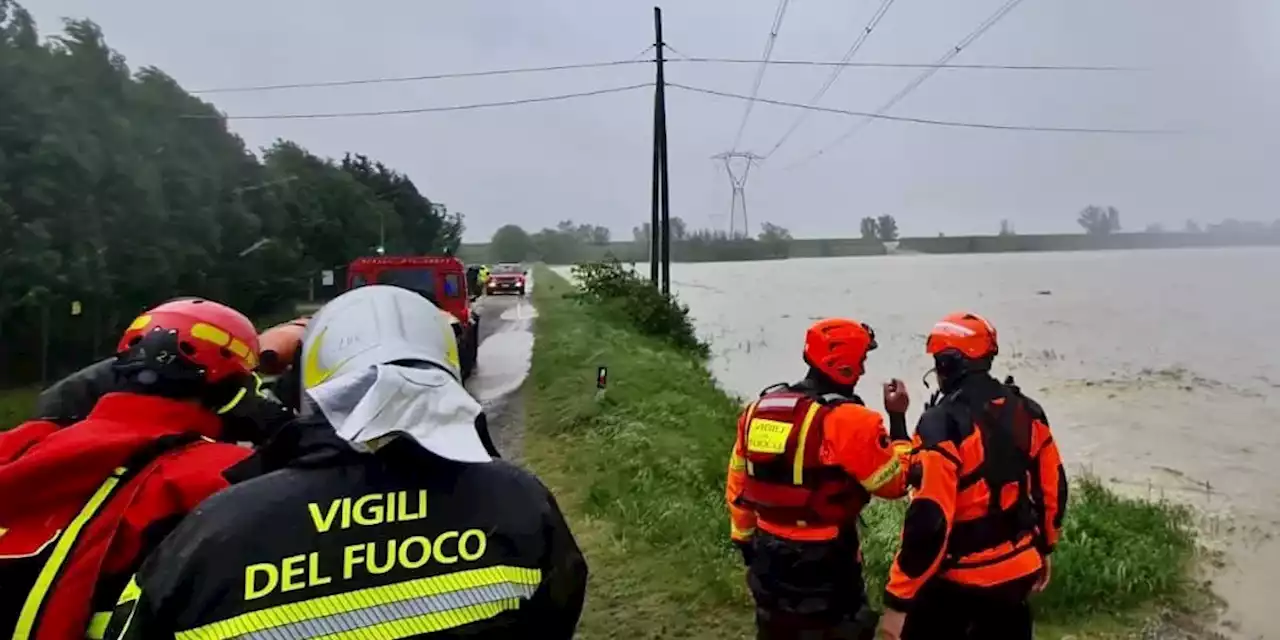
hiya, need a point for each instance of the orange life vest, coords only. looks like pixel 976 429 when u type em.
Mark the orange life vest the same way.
pixel 787 482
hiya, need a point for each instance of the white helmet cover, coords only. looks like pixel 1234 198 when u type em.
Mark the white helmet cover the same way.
pixel 347 372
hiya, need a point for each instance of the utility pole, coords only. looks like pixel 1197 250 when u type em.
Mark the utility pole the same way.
pixel 660 149
pixel 738 181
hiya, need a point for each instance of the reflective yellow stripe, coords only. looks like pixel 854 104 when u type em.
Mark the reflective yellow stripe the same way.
pixel 797 469
pixel 234 401
pixel 390 611
pixel 883 475
pixel 131 592
pixel 736 462
pixel 35 599
pixel 98 626
pixel 428 623
pixel 740 534
pixel 751 415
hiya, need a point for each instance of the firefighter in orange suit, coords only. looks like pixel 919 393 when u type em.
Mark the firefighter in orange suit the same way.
pixel 989 496
pixel 807 459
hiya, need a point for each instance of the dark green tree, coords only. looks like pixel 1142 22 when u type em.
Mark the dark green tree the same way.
pixel 775 240
pixel 1099 221
pixel 119 189
pixel 886 228
pixel 870 230
pixel 510 244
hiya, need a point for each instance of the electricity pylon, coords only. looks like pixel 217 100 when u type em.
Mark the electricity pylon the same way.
pixel 738 181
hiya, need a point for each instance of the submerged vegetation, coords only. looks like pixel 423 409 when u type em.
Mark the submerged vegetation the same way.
pixel 640 470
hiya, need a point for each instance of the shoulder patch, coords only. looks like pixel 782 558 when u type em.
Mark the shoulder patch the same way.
pixel 777 402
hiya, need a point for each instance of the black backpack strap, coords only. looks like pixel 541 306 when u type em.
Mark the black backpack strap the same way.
pixel 773 388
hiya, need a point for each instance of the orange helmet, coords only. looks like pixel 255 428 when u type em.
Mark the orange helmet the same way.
pixel 968 334
pixel 280 345
pixel 837 347
pixel 191 338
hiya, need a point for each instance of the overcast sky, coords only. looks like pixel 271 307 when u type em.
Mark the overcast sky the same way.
pixel 1216 73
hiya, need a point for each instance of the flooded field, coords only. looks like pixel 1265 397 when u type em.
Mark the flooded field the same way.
pixel 1160 370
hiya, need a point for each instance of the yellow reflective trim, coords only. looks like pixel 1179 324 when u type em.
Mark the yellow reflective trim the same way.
pixel 98 626
pixel 139 322
pixel 239 348
pixel 740 534
pixel 429 623
pixel 234 401
pixel 736 463
pixel 210 333
pixel 797 469
pixel 451 341
pixel 751 415
pixel 293 612
pixel 312 373
pixel 767 436
pixel 131 592
pixel 35 598
pixel 883 475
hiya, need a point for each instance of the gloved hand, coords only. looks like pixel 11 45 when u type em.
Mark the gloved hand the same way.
pixel 896 398
pixel 250 415
pixel 747 550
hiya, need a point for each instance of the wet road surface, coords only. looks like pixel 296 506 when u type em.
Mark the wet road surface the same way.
pixel 506 345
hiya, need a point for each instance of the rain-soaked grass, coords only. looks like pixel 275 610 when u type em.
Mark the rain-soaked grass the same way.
pixel 640 469
pixel 16 405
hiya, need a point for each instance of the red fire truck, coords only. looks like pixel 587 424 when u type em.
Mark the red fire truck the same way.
pixel 441 279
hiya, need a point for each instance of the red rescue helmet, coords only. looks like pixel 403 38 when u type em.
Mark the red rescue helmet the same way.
pixel 191 338
pixel 838 347
pixel 966 334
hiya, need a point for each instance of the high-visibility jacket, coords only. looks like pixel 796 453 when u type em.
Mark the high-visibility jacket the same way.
pixel 804 465
pixel 990 492
pixel 81 506
pixel 341 543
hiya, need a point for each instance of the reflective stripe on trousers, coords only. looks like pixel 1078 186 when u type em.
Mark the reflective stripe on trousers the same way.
pixel 391 611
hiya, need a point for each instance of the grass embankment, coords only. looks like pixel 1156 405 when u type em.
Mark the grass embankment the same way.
pixel 16 405
pixel 640 472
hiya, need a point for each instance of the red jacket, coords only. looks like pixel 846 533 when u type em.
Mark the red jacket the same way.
pixel 48 474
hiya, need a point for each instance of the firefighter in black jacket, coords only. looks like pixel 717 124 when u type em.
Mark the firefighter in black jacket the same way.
pixel 386 516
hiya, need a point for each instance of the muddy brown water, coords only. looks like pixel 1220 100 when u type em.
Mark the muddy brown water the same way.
pixel 1160 370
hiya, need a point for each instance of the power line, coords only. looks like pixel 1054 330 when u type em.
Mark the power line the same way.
pixel 398 112
pixel 906 65
pixel 835 72
pixel 778 17
pixel 677 52
pixel 931 121
pixel 433 76
pixel 637 59
pixel 920 79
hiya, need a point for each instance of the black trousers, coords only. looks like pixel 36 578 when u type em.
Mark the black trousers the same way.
pixel 809 590
pixel 948 611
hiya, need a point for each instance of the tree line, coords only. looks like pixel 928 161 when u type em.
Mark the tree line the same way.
pixel 570 243
pixel 118 189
